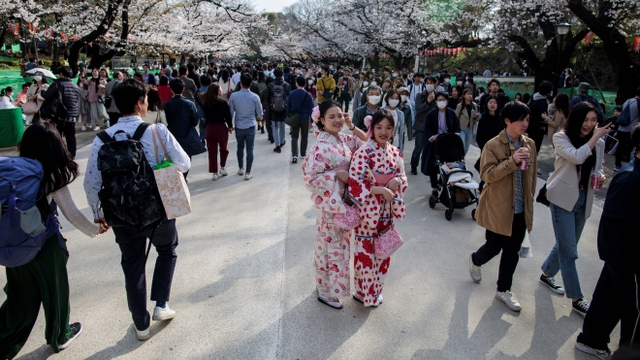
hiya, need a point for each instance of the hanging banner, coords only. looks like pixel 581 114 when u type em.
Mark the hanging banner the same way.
pixel 636 45
pixel 588 38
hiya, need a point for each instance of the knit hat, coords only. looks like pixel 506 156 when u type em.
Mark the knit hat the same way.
pixel 584 87
pixel 403 89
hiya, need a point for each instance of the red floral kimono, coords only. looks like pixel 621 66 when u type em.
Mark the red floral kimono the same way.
pixel 375 214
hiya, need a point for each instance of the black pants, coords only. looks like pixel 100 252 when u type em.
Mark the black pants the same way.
pixel 68 131
pixel 537 137
pixel 509 245
pixel 433 178
pixel 614 300
pixel 301 132
pixel 269 129
pixel 132 244
pixel 113 118
pixel 344 100
pixel 624 147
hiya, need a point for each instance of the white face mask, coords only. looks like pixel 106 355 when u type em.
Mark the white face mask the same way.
pixel 441 104
pixel 404 98
pixel 394 102
pixel 429 87
pixel 310 82
pixel 365 83
pixel 446 81
pixel 374 99
pixel 459 83
pixel 37 78
pixel 374 83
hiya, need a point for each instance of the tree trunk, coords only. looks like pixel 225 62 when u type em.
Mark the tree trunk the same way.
pixel 615 46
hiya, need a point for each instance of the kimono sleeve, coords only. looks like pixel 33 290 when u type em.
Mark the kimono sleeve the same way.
pixel 398 206
pixel 322 180
pixel 353 142
pixel 360 177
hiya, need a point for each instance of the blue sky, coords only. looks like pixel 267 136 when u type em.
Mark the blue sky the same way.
pixel 272 5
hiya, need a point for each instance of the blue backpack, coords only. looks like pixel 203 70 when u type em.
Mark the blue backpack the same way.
pixel 24 232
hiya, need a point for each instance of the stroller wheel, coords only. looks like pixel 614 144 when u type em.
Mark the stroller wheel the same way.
pixel 448 214
pixel 473 214
pixel 432 201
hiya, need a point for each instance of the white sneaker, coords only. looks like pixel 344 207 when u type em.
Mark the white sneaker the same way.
pixel 142 335
pixel 84 128
pixel 600 354
pixel 509 299
pixel 223 172
pixel 474 271
pixel 248 176
pixel 215 177
pixel 164 313
pixel 96 128
pixel 241 171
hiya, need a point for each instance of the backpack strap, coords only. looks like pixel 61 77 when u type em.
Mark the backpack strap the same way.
pixel 102 135
pixel 140 131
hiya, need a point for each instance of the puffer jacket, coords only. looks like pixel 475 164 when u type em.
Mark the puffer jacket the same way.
pixel 70 95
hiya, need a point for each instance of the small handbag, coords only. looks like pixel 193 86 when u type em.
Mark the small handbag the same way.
pixel 351 217
pixel 388 240
pixel 29 108
pixel 542 196
pixel 171 184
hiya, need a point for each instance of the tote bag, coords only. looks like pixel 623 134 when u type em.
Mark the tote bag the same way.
pixel 171 184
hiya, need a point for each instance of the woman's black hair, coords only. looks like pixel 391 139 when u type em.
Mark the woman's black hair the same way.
pixel 324 107
pixel 153 99
pixel 224 75
pixel 6 90
pixel 164 80
pixel 573 125
pixel 205 80
pixel 41 141
pixel 379 116
pixel 491 97
pixel 562 103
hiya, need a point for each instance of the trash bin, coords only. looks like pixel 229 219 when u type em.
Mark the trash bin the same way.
pixel 11 127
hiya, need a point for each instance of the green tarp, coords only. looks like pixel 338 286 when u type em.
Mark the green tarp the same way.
pixel 11 127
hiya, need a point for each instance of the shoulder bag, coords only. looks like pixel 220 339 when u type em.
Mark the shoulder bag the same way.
pixel 388 240
pixel 293 119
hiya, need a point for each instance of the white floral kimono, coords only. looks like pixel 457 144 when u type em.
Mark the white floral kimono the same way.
pixel 328 155
pixel 375 214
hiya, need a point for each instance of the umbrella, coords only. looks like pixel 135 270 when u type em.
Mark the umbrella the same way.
pixel 44 72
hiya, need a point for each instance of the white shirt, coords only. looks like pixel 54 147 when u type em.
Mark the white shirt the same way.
pixel 93 177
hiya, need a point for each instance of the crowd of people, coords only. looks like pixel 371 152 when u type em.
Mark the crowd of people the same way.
pixel 357 176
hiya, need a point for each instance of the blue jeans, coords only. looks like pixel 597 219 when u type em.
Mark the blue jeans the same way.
pixel 245 137
pixel 467 136
pixel 568 226
pixel 278 132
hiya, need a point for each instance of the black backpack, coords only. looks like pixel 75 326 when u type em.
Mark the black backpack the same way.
pixel 53 109
pixel 278 98
pixel 129 195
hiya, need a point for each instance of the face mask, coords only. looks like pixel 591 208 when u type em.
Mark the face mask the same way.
pixel 441 104
pixel 404 98
pixel 365 83
pixel 37 78
pixel 393 103
pixel 395 75
pixel 446 81
pixel 374 83
pixel 374 100
pixel 310 82
pixel 429 87
pixel 459 83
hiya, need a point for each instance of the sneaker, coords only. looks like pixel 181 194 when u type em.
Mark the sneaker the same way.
pixel 96 128
pixel 84 128
pixel 241 171
pixel 303 156
pixel 248 176
pixel 509 299
pixel 223 172
pixel 580 306
pixel 215 177
pixel 294 160
pixel 76 329
pixel 414 171
pixel 474 271
pixel 262 130
pixel 142 335
pixel 165 313
pixel 600 354
pixel 552 284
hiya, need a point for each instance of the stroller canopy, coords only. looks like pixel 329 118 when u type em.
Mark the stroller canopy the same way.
pixel 449 148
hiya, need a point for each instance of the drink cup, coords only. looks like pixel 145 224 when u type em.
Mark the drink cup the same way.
pixel 596 183
pixel 524 165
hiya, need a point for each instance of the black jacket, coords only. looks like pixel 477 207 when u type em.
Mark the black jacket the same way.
pixel 70 95
pixel 489 127
pixel 182 119
pixel 431 129
pixel 274 116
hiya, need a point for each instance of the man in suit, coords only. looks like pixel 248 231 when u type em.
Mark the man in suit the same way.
pixel 148 77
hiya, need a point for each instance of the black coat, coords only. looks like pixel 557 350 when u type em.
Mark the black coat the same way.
pixel 182 119
pixel 489 127
pixel 70 95
pixel 431 129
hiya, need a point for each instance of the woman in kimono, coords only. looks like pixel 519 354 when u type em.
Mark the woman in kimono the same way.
pixel 377 183
pixel 326 173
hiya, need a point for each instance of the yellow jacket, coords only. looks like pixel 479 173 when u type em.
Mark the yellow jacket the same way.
pixel 497 169
pixel 325 84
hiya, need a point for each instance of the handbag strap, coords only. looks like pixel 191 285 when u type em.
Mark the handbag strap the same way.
pixel 156 133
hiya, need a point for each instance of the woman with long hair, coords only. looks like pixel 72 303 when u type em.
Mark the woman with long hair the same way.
pixel 219 125
pixel 467 112
pixel 377 183
pixel 558 114
pixel 44 279
pixel 155 111
pixel 226 85
pixel 326 174
pixel 578 171
pixel 96 87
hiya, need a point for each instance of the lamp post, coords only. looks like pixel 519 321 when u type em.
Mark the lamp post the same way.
pixel 562 29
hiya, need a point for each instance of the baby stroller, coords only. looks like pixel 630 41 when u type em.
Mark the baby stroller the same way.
pixel 449 151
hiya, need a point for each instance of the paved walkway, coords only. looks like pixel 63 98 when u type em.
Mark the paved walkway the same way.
pixel 244 283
